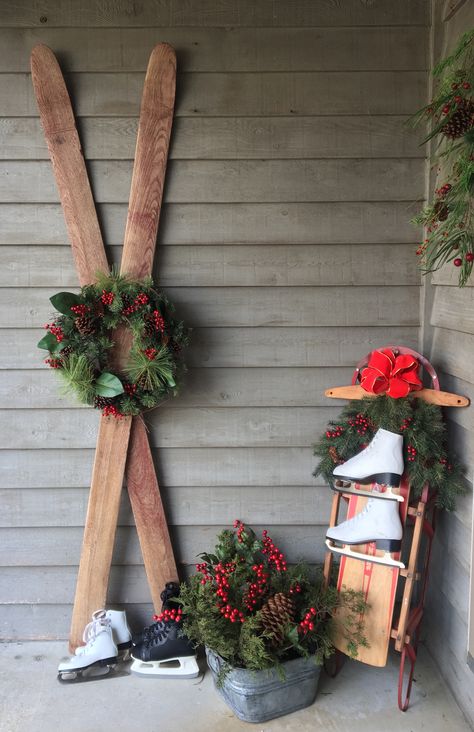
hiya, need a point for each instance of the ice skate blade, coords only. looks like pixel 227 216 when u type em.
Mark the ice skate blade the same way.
pixel 391 480
pixel 187 668
pixel 348 487
pixel 94 672
pixel 346 551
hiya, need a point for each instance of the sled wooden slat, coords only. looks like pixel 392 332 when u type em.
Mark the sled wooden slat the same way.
pixel 68 163
pixel 432 396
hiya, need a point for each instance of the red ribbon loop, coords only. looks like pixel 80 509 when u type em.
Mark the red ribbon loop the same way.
pixel 389 374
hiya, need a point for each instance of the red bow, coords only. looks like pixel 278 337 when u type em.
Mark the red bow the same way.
pixel 394 375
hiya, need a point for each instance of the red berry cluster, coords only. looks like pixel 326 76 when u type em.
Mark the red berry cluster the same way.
pixel 295 589
pixel 54 363
pixel 412 453
pixel 111 411
pixel 223 586
pixel 307 623
pixel 443 190
pixel 174 614
pixel 240 530
pixel 446 463
pixel 361 423
pixel 202 569
pixel 337 432
pixel 258 588
pixel 274 555
pixel 79 309
pixel 130 389
pixel 150 353
pixel 406 423
pixel 158 321
pixel 140 300
pixel 55 330
pixel 107 297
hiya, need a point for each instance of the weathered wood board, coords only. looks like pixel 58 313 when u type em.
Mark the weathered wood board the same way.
pixel 234 95
pixel 329 222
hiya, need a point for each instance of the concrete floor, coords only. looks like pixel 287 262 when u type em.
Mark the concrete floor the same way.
pixel 360 699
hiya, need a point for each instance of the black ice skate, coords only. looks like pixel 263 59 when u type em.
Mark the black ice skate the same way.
pixel 171 590
pixel 165 654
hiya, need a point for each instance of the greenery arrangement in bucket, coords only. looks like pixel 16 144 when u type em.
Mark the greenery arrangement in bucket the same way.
pixel 255 612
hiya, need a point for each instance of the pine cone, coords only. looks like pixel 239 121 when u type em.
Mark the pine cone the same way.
pixel 85 325
pixel 461 121
pixel 335 455
pixel 441 210
pixel 101 402
pixel 277 612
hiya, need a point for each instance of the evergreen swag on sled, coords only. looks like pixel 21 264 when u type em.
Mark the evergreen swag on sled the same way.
pixel 80 342
pixel 425 452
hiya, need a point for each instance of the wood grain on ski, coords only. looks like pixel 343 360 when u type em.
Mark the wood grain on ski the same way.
pixel 147 506
pixel 432 396
pixel 151 155
pixel 101 523
pixel 69 167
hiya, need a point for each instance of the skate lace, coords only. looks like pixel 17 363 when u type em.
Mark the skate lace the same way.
pixel 160 632
pixel 95 627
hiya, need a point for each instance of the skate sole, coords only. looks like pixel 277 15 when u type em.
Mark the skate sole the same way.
pixel 387 495
pixel 346 551
pixel 389 479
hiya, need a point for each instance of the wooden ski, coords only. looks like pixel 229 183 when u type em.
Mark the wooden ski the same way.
pixel 89 254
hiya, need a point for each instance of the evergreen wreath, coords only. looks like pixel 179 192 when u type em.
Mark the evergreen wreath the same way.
pixel 423 429
pixel 449 218
pixel 80 339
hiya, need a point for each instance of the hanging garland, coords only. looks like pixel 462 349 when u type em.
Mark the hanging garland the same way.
pixel 424 437
pixel 449 219
pixel 80 343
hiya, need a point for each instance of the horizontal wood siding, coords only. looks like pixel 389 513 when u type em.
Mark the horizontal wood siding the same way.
pixel 285 243
pixel 450 338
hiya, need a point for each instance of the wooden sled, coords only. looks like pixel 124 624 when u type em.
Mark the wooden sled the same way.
pixel 122 445
pixel 388 618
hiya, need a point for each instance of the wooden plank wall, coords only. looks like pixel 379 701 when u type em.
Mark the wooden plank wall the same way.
pixel 285 243
pixel 449 336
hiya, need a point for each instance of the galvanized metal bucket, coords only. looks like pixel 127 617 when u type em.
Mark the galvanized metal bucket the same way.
pixel 257 696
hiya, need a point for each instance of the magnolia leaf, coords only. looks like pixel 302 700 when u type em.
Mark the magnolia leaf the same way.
pixel 63 302
pixel 50 343
pixel 170 380
pixel 108 385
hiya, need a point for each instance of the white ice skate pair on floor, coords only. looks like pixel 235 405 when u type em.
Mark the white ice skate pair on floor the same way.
pixel 381 463
pixel 107 640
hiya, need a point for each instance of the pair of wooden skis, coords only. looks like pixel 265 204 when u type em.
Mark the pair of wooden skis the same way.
pixel 122 444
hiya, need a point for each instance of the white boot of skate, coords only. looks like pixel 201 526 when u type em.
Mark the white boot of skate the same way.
pixel 378 522
pixel 94 660
pixel 380 462
pixel 120 630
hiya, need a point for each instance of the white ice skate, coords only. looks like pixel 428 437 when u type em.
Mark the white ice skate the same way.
pixel 378 522
pixel 94 660
pixel 120 631
pixel 381 462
